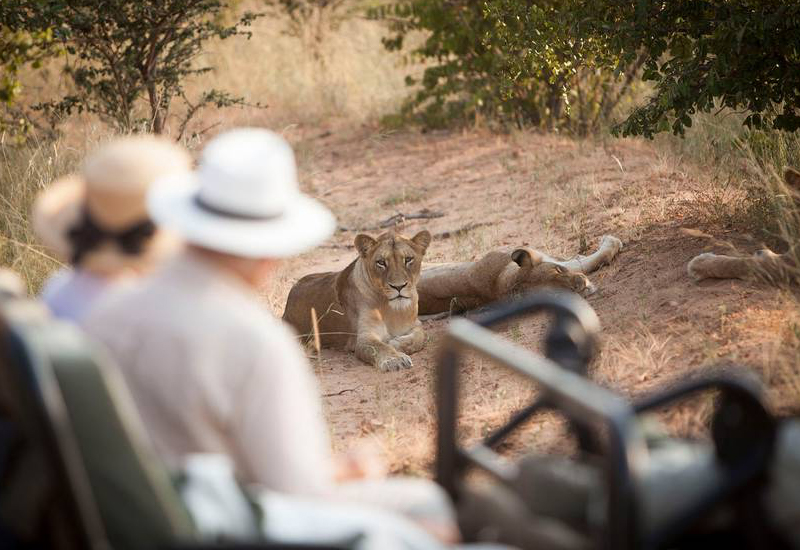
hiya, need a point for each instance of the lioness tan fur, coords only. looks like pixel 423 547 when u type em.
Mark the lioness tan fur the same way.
pixel 765 263
pixel 461 286
pixel 369 307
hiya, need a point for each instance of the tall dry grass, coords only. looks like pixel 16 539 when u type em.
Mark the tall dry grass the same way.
pixel 743 172
pixel 24 171
pixel 338 72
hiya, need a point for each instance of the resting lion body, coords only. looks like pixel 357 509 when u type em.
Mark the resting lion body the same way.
pixel 369 307
pixel 763 263
pixel 502 274
pixel 372 306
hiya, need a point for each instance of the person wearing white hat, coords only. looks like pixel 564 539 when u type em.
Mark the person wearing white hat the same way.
pixel 211 369
pixel 96 221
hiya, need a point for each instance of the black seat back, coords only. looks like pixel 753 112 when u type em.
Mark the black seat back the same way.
pixel 91 437
pixel 46 497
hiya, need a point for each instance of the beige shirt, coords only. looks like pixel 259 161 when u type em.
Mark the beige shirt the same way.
pixel 211 370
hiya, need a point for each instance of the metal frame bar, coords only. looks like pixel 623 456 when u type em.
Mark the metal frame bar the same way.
pixel 740 472
pixel 586 406
pixel 579 399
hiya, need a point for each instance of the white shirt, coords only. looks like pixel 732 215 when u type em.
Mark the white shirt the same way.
pixel 211 370
pixel 70 293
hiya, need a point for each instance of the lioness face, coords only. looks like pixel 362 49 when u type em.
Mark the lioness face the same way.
pixel 536 273
pixel 392 263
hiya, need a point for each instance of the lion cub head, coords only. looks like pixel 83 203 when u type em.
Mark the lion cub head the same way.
pixel 392 264
pixel 535 272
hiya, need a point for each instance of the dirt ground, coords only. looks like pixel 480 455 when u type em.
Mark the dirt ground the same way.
pixel 560 196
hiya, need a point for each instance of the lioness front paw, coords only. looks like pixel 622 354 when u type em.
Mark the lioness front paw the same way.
pixel 398 341
pixel 395 362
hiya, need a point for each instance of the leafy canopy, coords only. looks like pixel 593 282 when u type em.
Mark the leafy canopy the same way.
pixel 703 55
pixel 18 49
pixel 541 60
pixel 509 61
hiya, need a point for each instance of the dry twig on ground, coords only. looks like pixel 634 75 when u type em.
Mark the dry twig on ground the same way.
pixel 397 219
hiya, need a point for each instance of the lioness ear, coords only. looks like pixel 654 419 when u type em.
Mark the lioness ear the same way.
pixel 363 244
pixel 423 239
pixel 524 257
pixel 792 178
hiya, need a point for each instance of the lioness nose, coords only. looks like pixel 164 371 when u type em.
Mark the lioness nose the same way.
pixel 399 287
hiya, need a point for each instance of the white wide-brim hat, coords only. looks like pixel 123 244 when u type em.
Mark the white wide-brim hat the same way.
pixel 243 199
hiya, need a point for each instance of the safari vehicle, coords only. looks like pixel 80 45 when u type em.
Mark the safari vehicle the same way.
pixel 627 487
pixel 75 471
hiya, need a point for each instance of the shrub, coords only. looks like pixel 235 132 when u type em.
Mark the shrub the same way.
pixel 703 56
pixel 539 61
pixel 122 52
pixel 18 49
pixel 507 61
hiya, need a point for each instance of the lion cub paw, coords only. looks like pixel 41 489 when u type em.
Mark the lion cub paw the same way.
pixel 765 254
pixel 395 362
pixel 610 241
pixel 589 289
pixel 701 266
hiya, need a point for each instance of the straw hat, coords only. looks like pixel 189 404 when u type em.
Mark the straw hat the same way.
pixel 98 218
pixel 243 199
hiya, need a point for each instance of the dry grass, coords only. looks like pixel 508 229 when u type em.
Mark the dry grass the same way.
pixel 741 182
pixel 635 361
pixel 341 73
pixel 24 171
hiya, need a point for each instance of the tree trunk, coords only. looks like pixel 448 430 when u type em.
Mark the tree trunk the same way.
pixel 156 112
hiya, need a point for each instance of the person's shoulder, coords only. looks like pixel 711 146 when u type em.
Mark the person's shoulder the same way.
pixel 274 351
pixel 281 330
pixel 115 304
pixel 261 325
pixel 56 282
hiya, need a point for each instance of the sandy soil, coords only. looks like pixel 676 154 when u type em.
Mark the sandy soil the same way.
pixel 560 196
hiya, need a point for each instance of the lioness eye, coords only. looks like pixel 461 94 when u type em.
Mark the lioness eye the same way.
pixel 561 269
pixel 409 260
pixel 381 264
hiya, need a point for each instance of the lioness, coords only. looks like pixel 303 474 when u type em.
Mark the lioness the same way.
pixel 371 305
pixel 763 262
pixel 461 286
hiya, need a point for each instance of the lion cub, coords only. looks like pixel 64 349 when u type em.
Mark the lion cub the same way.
pixel 371 305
